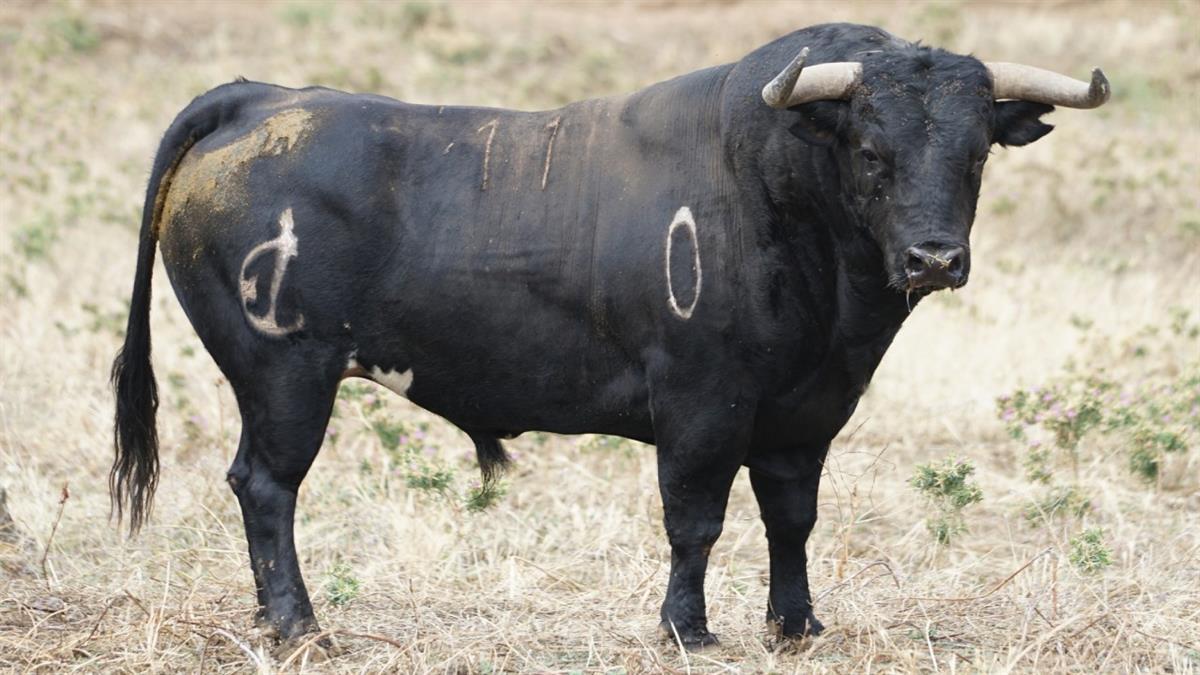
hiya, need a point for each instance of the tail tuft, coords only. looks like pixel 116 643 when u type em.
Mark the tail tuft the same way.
pixel 493 460
pixel 134 474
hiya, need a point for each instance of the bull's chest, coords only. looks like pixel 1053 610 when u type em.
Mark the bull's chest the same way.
pixel 813 411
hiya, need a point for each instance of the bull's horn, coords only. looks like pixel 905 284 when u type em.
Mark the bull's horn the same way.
pixel 1027 83
pixel 796 84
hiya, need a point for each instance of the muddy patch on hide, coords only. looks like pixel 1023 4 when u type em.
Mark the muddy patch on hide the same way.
pixel 216 180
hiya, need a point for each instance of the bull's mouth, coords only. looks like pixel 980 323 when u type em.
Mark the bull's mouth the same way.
pixel 908 283
pixel 913 292
pixel 903 283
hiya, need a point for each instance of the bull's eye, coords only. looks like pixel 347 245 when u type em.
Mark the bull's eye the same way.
pixel 869 156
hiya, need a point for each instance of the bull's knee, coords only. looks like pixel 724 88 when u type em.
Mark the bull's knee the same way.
pixel 695 535
pixel 798 520
pixel 238 477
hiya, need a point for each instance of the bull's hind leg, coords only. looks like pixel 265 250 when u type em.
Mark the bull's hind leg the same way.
pixel 285 408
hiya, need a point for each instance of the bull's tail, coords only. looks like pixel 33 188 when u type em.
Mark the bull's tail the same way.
pixel 134 473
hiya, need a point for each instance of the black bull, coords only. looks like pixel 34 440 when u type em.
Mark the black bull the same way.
pixel 684 266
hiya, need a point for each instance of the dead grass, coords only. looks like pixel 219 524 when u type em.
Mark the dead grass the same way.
pixel 1085 238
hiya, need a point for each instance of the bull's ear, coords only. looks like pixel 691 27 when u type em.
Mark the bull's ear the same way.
pixel 1017 122
pixel 820 122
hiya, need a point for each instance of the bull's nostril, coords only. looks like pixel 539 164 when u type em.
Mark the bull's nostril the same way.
pixel 956 264
pixel 915 263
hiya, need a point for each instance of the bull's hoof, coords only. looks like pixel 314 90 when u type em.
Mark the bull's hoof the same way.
pixel 264 626
pixel 815 627
pixel 285 629
pixel 305 649
pixel 790 629
pixel 692 639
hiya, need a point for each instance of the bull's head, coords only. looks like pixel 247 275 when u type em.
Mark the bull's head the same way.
pixel 912 129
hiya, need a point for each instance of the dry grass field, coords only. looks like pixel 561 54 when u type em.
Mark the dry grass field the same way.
pixel 1087 277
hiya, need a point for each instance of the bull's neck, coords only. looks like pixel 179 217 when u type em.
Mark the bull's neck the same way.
pixel 848 307
pixel 868 310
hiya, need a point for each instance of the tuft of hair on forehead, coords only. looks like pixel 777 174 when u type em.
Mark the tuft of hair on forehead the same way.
pixel 923 56
pixel 912 92
pixel 915 69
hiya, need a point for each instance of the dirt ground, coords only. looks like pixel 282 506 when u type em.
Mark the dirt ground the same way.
pixel 1086 261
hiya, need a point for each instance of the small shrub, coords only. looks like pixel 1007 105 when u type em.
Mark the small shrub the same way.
pixel 392 434
pixel 467 54
pixel 1065 412
pixel 1081 322
pixel 1151 421
pixel 483 497
pixel 304 14
pixel 341 586
pixel 1181 324
pixel 1037 463
pixel 364 395
pixel 409 456
pixel 1060 500
pixel 1150 446
pixel 17 285
pixel 106 321
pixel 948 489
pixel 195 428
pixel 1088 552
pixel 76 32
pixel 415 15
pixel 34 240
pixel 1004 206
pixel 353 391
pixel 430 478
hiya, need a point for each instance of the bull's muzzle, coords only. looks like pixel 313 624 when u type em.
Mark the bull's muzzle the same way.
pixel 934 267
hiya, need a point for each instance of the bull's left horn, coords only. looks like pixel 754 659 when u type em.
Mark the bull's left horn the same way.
pixel 796 84
pixel 1027 83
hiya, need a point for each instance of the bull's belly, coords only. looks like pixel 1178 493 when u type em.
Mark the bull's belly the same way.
pixel 496 393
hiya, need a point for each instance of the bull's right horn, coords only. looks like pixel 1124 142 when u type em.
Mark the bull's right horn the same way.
pixel 796 84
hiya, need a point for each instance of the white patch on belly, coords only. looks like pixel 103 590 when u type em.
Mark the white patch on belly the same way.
pixel 683 218
pixel 397 382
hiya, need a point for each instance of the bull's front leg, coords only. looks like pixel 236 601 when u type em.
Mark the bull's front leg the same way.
pixel 695 471
pixel 788 502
